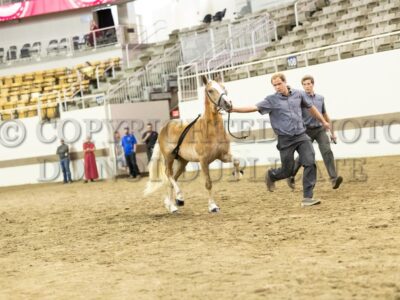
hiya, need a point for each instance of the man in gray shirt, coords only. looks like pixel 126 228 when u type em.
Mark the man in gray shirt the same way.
pixel 317 132
pixel 63 154
pixel 284 109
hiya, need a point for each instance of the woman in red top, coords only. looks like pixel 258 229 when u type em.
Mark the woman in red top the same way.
pixel 94 33
pixel 89 161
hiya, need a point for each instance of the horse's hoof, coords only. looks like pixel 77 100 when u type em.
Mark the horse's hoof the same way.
pixel 172 209
pixel 213 208
pixel 241 172
pixel 179 202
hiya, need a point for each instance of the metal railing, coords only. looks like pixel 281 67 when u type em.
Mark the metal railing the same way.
pixel 249 45
pixel 131 49
pixel 245 41
pixel 137 86
pixel 232 37
pixel 188 83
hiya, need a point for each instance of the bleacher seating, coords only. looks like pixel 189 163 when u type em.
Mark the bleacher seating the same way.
pixel 341 21
pixel 25 90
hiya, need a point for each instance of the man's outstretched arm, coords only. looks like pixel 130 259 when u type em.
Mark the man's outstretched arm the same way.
pixel 244 109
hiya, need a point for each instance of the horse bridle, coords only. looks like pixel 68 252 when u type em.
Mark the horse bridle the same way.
pixel 218 105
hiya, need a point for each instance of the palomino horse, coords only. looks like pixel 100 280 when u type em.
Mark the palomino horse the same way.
pixel 205 142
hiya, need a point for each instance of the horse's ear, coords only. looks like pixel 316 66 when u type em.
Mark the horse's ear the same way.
pixel 204 78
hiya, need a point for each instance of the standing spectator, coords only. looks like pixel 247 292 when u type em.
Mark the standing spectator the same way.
pixel 90 161
pixel 129 144
pixel 63 154
pixel 94 33
pixel 150 138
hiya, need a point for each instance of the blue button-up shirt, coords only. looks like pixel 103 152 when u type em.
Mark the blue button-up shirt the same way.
pixel 318 102
pixel 285 112
pixel 127 143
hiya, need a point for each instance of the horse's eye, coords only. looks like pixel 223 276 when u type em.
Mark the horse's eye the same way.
pixel 210 91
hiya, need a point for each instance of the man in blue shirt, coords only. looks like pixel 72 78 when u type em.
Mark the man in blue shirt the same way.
pixel 129 143
pixel 284 109
pixel 317 132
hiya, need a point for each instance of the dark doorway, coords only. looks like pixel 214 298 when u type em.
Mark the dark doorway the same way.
pixel 104 18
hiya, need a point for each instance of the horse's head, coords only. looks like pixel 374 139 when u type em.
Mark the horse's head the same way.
pixel 217 94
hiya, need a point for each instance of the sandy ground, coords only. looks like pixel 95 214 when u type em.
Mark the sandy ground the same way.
pixel 105 241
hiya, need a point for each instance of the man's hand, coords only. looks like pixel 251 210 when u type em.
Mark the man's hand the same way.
pixel 333 137
pixel 326 125
pixel 317 115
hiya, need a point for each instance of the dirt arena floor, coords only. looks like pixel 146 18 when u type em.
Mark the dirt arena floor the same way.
pixel 105 241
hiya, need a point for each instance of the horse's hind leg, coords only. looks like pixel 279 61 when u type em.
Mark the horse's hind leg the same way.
pixel 180 168
pixel 237 173
pixel 212 206
pixel 169 161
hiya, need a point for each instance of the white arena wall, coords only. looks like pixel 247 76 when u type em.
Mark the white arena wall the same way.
pixel 23 164
pixel 357 87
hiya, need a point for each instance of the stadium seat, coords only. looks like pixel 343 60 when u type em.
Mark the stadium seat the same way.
pixel 12 53
pixel 52 48
pixel 25 51
pixel 1 55
pixel 110 36
pixel 76 42
pixel 36 49
pixel 63 45
pixel 219 15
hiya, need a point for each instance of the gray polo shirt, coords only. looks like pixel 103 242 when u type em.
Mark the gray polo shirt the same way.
pixel 63 151
pixel 318 102
pixel 285 112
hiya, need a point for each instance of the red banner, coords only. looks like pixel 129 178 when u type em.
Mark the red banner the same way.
pixel 39 7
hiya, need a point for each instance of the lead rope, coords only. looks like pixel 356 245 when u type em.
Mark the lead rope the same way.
pixel 234 136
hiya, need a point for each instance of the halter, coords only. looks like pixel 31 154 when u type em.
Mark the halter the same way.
pixel 218 105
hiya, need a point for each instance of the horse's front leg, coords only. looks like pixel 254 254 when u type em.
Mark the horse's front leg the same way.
pixel 212 206
pixel 237 173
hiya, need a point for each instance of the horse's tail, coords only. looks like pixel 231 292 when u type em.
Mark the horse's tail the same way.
pixel 157 177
